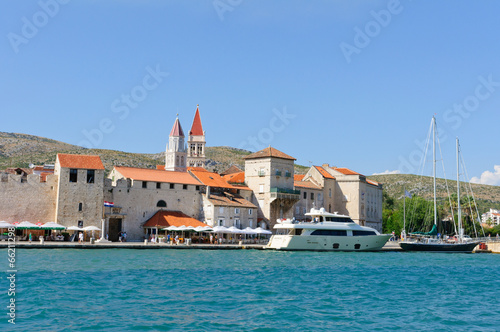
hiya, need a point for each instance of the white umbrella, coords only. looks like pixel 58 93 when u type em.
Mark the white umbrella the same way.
pixel 203 229
pixel 52 225
pixel 27 225
pixel 260 230
pixel 75 228
pixel 91 228
pixel 249 231
pixel 220 229
pixel 4 224
pixel 235 230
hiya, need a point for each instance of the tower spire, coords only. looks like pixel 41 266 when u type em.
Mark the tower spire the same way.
pixel 196 142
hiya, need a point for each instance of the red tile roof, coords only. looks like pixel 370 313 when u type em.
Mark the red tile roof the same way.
pixel 177 129
pixel 162 167
pixel 375 183
pixel 231 170
pixel 155 175
pixel 230 200
pixel 196 128
pixel 236 178
pixel 324 172
pixel 305 184
pixel 209 178
pixel 172 218
pixel 79 161
pixel 345 171
pixel 298 177
pixel 269 152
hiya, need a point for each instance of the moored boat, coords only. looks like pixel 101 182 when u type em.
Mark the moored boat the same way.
pixel 326 232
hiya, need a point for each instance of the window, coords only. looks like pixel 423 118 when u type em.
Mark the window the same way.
pixel 158 185
pixel 304 210
pixel 80 223
pixel 185 186
pixel 220 222
pixel 329 232
pixel 145 184
pixel 80 207
pixel 249 212
pixel 236 211
pixel 90 176
pixel 221 209
pixel 330 192
pixel 237 223
pixel 312 196
pixel 161 204
pixel 305 195
pixel 278 172
pixel 172 186
pixel 262 172
pixel 73 175
pixel 319 197
pixel 261 188
pixel 363 233
pixel 197 188
pixel 297 209
pixel 250 223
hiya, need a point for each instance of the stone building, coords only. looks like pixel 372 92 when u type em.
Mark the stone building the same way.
pixel 269 173
pixel 344 191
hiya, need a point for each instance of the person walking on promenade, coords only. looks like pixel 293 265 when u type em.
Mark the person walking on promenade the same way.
pixel 30 237
pixel 211 239
pixel 80 238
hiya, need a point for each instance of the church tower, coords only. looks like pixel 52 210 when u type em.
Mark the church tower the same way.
pixel 196 143
pixel 175 157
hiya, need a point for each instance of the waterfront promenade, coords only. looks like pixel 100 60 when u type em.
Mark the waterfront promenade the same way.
pixel 493 246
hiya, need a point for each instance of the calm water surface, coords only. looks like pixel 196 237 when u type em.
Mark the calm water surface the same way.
pixel 248 290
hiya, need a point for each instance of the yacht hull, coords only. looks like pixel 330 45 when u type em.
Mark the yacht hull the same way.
pixel 439 247
pixel 327 243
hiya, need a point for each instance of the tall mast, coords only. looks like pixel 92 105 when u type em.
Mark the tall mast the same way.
pixel 458 194
pixel 434 165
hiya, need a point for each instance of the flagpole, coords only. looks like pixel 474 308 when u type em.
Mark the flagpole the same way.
pixel 404 211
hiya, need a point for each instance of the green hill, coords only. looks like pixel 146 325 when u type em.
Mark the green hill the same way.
pixel 20 150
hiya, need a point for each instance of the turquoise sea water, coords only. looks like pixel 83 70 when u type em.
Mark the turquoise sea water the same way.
pixel 249 290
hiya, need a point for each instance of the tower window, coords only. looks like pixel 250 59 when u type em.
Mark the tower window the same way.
pixel 305 195
pixel 80 207
pixel 172 186
pixel 161 204
pixel 73 175
pixel 158 185
pixel 90 176
pixel 184 186
pixel 145 184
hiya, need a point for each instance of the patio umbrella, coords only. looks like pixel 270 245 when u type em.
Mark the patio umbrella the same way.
pixel 235 230
pixel 75 228
pixel 249 231
pixel 4 224
pixel 27 225
pixel 220 229
pixel 53 225
pixel 260 230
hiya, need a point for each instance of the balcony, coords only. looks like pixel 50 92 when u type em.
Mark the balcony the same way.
pixel 262 173
pixel 285 193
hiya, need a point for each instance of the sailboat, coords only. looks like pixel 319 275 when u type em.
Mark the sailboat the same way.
pixel 429 241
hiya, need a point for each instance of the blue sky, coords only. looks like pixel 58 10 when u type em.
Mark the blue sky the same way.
pixel 350 83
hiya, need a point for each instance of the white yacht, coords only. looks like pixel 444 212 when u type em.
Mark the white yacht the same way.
pixel 326 232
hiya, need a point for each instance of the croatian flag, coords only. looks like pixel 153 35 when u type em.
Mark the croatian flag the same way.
pixel 108 203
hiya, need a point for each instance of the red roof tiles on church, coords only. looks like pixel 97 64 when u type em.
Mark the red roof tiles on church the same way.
pixel 155 175
pixel 324 172
pixel 172 218
pixel 305 184
pixel 269 152
pixel 79 161
pixel 177 129
pixel 196 128
pixel 230 200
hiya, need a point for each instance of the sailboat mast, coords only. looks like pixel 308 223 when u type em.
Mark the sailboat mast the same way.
pixel 434 165
pixel 458 194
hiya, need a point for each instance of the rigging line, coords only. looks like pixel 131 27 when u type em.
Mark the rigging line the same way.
pixel 470 185
pixel 447 187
